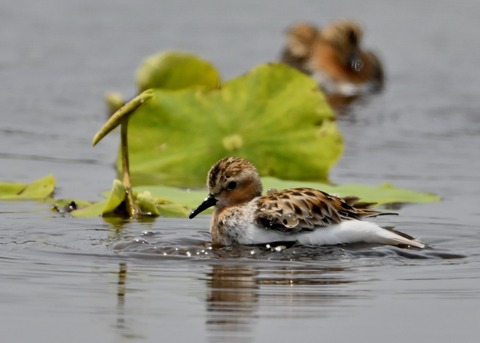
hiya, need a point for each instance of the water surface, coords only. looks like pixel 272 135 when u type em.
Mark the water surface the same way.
pixel 77 280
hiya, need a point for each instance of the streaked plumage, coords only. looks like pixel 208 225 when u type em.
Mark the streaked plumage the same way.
pixel 304 215
pixel 333 55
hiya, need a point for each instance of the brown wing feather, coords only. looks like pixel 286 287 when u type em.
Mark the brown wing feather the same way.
pixel 305 209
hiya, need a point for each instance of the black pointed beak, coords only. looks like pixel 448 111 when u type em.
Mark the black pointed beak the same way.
pixel 208 202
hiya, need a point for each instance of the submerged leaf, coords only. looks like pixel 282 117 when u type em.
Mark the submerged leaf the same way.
pixel 37 190
pixel 273 116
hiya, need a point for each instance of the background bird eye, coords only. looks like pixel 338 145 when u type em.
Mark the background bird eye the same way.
pixel 231 185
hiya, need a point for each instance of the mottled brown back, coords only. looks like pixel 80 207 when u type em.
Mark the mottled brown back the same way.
pixel 299 209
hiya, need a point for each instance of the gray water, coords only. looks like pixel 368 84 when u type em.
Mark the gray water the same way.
pixel 88 280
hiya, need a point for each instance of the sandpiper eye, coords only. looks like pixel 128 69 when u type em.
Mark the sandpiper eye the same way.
pixel 231 185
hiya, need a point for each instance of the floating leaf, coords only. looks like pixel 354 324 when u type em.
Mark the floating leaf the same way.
pixel 37 190
pixel 93 210
pixel 273 116
pixel 382 195
pixel 108 207
pixel 147 204
pixel 114 205
pixel 115 198
pixel 171 209
pixel 11 190
pixel 159 206
pixel 68 205
pixel 176 70
pixel 180 196
pixel 178 202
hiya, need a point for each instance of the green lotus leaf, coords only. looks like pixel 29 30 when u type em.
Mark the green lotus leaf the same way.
pixel 178 202
pixel 159 206
pixel 147 204
pixel 9 190
pixel 90 211
pixel 37 190
pixel 384 194
pixel 114 102
pixel 67 205
pixel 169 70
pixel 113 205
pixel 107 207
pixel 176 70
pixel 273 116
pixel 115 198
pixel 187 198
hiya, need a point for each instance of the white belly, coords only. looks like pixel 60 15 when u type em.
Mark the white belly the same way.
pixel 351 231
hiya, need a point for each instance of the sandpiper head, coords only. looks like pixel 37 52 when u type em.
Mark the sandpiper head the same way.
pixel 345 37
pixel 300 38
pixel 231 181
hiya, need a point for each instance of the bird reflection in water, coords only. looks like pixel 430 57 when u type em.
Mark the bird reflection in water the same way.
pixel 239 294
pixel 231 301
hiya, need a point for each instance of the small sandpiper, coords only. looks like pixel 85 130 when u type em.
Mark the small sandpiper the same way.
pixel 307 216
pixel 333 55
